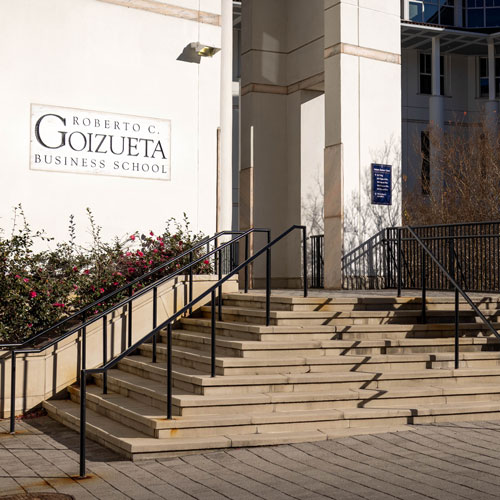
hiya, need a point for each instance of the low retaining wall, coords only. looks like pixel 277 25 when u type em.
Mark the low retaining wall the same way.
pixel 45 375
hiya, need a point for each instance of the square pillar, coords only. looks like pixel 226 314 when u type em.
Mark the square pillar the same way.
pixel 363 119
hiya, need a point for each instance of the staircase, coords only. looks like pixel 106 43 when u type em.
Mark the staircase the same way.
pixel 325 367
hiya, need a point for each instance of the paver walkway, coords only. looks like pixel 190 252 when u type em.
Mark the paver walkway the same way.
pixel 445 461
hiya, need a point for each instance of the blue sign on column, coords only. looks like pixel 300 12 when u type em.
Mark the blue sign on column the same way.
pixel 381 184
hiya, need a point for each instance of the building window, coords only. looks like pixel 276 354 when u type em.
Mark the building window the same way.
pixel 425 151
pixel 483 13
pixel 433 11
pixel 426 73
pixel 484 86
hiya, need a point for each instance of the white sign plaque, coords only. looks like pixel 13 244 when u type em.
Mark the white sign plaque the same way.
pixel 91 142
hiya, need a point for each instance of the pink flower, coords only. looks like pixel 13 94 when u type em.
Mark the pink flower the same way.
pixel 86 271
pixel 75 269
pixel 101 290
pixel 75 287
pixel 128 254
pixel 155 250
pixel 58 304
pixel 25 280
pixel 32 294
pixel 17 276
pixel 132 237
pixel 206 262
pixel 131 270
pixel 139 253
pixel 151 233
pixel 30 325
pixel 150 262
pixel 115 283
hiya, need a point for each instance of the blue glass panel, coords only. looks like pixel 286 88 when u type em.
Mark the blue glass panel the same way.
pixel 475 18
pixel 416 12
pixel 447 16
pixel 493 16
pixel 431 14
pixel 484 87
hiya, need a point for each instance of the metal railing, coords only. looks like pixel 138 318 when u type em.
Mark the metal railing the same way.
pixel 214 292
pixel 216 253
pixel 317 261
pixel 425 255
pixel 469 251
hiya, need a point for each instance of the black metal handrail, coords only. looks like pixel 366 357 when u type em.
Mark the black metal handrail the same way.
pixel 126 287
pixel 455 285
pixel 212 291
pixel 128 301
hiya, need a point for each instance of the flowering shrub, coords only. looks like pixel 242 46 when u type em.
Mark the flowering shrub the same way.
pixel 39 288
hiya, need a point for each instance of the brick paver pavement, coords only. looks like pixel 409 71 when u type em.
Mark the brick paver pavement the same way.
pixel 444 461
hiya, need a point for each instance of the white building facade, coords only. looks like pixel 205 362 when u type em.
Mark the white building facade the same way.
pixel 107 104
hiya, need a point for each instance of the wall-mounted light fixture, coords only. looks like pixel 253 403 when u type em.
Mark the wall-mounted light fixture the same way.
pixel 204 50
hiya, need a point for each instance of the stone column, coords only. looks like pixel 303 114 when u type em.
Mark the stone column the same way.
pixel 225 201
pixel 363 116
pixel 436 119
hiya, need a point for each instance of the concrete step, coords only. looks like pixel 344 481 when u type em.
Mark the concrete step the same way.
pixel 268 429
pixel 372 303
pixel 191 381
pixel 201 361
pixel 291 318
pixel 245 331
pixel 371 342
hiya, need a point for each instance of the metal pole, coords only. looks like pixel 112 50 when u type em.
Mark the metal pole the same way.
pixel 424 279
pixel 399 262
pixel 104 354
pixel 457 321
pixel 83 417
pixel 155 319
pixel 304 256
pixel 220 288
pixel 268 287
pixel 130 293
pixel 169 371
pixel 190 278
pixel 13 393
pixel 246 258
pixel 213 339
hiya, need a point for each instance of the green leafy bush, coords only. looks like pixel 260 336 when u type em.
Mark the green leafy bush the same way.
pixel 38 288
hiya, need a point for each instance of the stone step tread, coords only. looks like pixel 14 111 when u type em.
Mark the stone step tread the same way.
pixel 238 362
pixel 252 328
pixel 284 329
pixel 128 439
pixel 156 418
pixel 241 311
pixel 238 344
pixel 355 299
pixel 205 380
pixel 193 400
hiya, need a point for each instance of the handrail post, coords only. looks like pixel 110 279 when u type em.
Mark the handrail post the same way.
pixel 399 262
pixel 457 322
pixel 424 279
pixel 83 417
pixel 104 354
pixel 268 286
pixel 220 288
pixel 191 277
pixel 169 371
pixel 155 320
pixel 130 293
pixel 304 257
pixel 84 344
pixel 213 337
pixel 13 393
pixel 246 258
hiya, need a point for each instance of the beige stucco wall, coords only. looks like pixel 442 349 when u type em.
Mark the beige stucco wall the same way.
pixel 45 375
